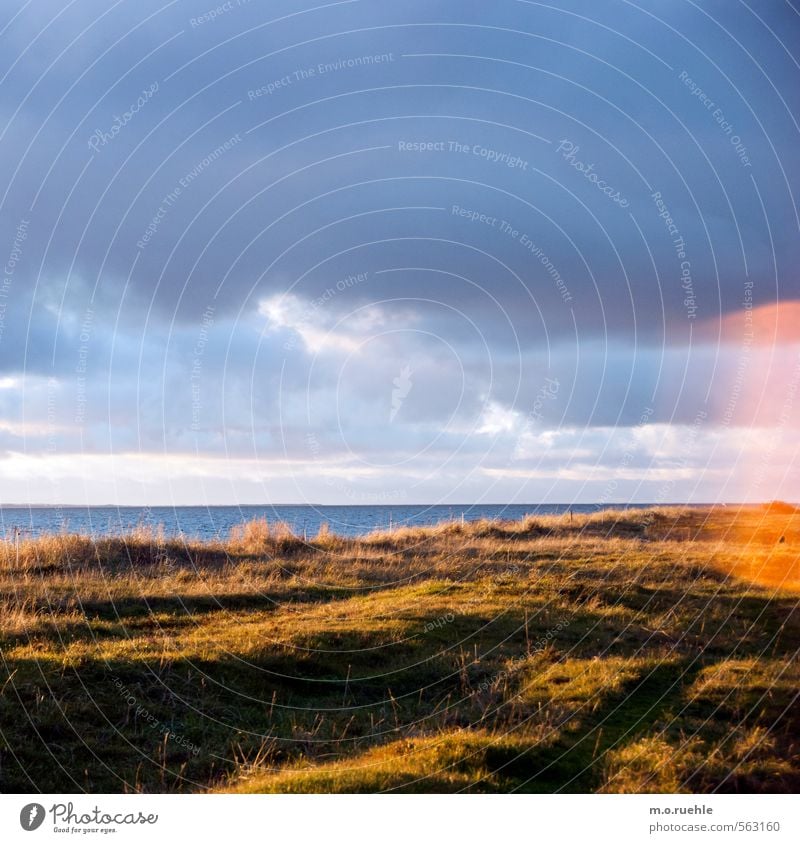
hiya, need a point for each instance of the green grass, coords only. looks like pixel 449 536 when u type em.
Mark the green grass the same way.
pixel 622 652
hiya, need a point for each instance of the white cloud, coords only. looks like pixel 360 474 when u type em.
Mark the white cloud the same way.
pixel 318 328
pixel 498 419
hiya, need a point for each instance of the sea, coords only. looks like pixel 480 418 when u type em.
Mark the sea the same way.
pixel 213 522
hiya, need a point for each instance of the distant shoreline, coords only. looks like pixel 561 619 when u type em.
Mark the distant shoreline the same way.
pixel 598 504
pixel 211 523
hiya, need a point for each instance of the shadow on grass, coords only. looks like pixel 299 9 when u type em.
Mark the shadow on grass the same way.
pixel 340 694
pixel 572 763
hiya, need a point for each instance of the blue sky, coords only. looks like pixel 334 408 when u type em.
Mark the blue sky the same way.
pixel 363 252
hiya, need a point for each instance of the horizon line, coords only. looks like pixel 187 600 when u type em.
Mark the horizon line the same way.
pixel 387 505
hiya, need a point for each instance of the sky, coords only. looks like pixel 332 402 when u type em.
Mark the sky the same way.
pixel 365 252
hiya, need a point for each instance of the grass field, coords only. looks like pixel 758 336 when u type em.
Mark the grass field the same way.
pixel 630 651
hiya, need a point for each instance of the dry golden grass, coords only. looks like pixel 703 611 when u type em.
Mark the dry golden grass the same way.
pixel 622 651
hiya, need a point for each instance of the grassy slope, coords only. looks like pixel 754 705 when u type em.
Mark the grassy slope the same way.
pixel 623 652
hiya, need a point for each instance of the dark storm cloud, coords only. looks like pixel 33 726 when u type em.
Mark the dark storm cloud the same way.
pixel 526 191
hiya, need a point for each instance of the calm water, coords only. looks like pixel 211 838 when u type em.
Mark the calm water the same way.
pixel 216 521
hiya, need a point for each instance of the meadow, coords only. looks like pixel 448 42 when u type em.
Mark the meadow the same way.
pixel 626 651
